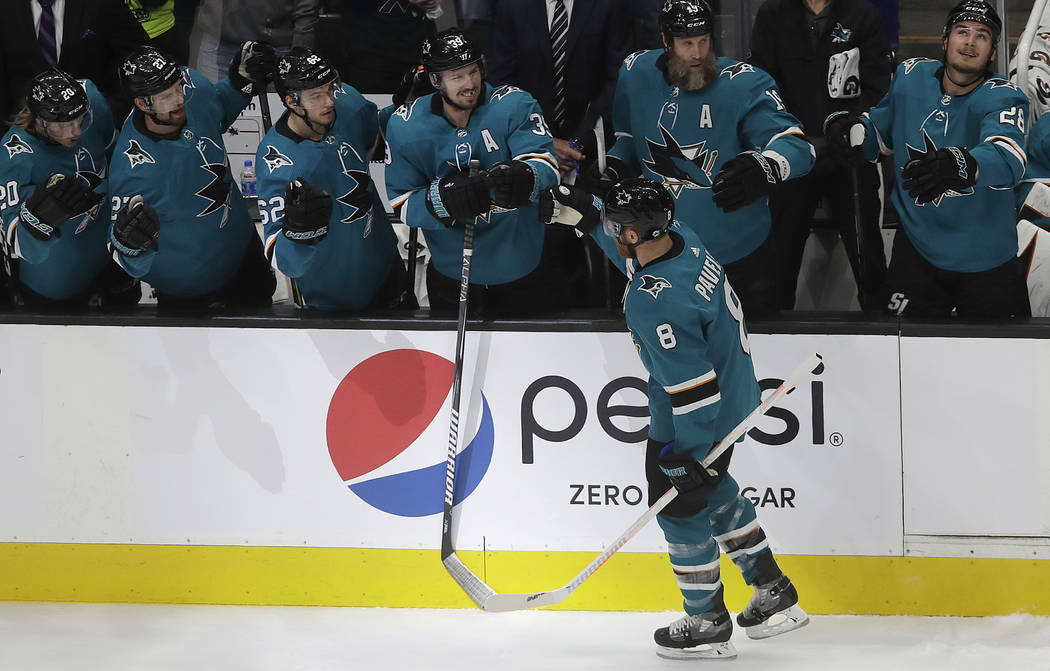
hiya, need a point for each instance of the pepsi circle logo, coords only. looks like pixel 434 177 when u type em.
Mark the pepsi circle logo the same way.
pixel 379 410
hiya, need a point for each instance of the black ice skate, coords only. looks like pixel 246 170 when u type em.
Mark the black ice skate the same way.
pixel 704 636
pixel 772 610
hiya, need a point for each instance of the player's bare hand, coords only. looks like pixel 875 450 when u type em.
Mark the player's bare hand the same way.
pixel 568 156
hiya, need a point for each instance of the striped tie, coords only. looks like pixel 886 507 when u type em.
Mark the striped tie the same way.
pixel 46 36
pixel 559 32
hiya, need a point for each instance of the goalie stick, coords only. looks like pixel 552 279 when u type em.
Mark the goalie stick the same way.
pixel 491 601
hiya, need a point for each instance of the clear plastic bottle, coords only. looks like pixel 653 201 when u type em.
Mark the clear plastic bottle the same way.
pixel 248 187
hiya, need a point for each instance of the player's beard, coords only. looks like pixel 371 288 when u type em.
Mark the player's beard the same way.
pixel 448 99
pixel 681 74
pixel 170 120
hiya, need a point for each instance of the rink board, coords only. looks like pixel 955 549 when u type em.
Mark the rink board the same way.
pixel 260 466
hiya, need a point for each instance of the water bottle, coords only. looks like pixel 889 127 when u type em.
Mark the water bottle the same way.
pixel 248 189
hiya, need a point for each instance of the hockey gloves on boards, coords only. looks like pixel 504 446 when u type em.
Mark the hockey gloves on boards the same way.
pixel 845 134
pixel 930 176
pixel 693 482
pixel 136 228
pixel 307 209
pixel 252 67
pixel 513 184
pixel 53 203
pixel 744 179
pixel 571 206
pixel 458 196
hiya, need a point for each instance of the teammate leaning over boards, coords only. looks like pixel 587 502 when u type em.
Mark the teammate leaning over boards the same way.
pixel 325 225
pixel 178 221
pixel 957 135
pixel 55 218
pixel 430 145
pixel 688 327
pixel 715 132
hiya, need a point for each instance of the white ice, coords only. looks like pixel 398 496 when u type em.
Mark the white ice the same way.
pixel 95 637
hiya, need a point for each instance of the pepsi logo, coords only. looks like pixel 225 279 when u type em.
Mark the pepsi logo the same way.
pixel 379 411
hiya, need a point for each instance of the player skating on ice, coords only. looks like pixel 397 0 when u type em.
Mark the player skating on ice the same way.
pixel 715 132
pixel 178 221
pixel 688 326
pixel 431 143
pixel 325 225
pixel 957 135
pixel 55 214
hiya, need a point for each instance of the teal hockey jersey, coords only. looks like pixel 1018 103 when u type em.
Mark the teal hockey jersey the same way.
pixel 346 269
pixel 423 146
pixel 63 266
pixel 973 230
pixel 205 227
pixel 688 327
pixel 682 138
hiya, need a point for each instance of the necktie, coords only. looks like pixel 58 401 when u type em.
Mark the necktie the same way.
pixel 559 32
pixel 46 36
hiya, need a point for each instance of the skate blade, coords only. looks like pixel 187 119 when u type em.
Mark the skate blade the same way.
pixel 779 623
pixel 704 651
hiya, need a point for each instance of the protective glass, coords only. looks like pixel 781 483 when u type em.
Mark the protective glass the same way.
pixel 67 130
pixel 172 98
pixel 319 97
pixel 611 228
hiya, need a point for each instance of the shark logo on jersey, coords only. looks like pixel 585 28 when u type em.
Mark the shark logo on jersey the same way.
pixel 840 33
pixel 910 64
pixel 503 91
pixel 216 191
pixel 654 285
pixel 136 154
pixel 927 152
pixel 275 159
pixel 737 69
pixel 997 83
pixel 682 167
pixel 87 170
pixel 629 61
pixel 16 146
pixel 359 192
pixel 463 153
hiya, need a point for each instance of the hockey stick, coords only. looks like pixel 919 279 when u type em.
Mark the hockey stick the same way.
pixel 858 224
pixel 492 602
pixel 471 584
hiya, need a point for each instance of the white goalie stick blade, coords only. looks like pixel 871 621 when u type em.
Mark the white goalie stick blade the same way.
pixel 493 602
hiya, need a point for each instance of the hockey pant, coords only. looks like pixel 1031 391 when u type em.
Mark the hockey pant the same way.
pixel 729 521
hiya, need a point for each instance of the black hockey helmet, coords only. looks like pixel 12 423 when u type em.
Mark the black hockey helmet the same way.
pixel 639 203
pixel 448 50
pixel 685 18
pixel 56 96
pixel 974 10
pixel 147 72
pixel 302 69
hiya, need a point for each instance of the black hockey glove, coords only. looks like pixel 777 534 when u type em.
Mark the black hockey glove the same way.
pixel 414 83
pixel 252 67
pixel 936 172
pixel 598 183
pixel 458 196
pixel 53 203
pixel 513 184
pixel 570 206
pixel 136 228
pixel 693 482
pixel 744 179
pixel 307 209
pixel 844 134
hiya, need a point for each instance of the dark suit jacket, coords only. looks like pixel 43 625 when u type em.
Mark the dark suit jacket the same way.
pixel 520 54
pixel 96 35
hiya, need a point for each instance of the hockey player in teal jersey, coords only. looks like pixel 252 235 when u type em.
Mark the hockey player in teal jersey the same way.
pixel 715 132
pixel 178 221
pixel 431 143
pixel 957 135
pixel 54 209
pixel 325 225
pixel 688 326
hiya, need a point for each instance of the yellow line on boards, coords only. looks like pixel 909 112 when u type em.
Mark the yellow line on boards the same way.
pixel 415 578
